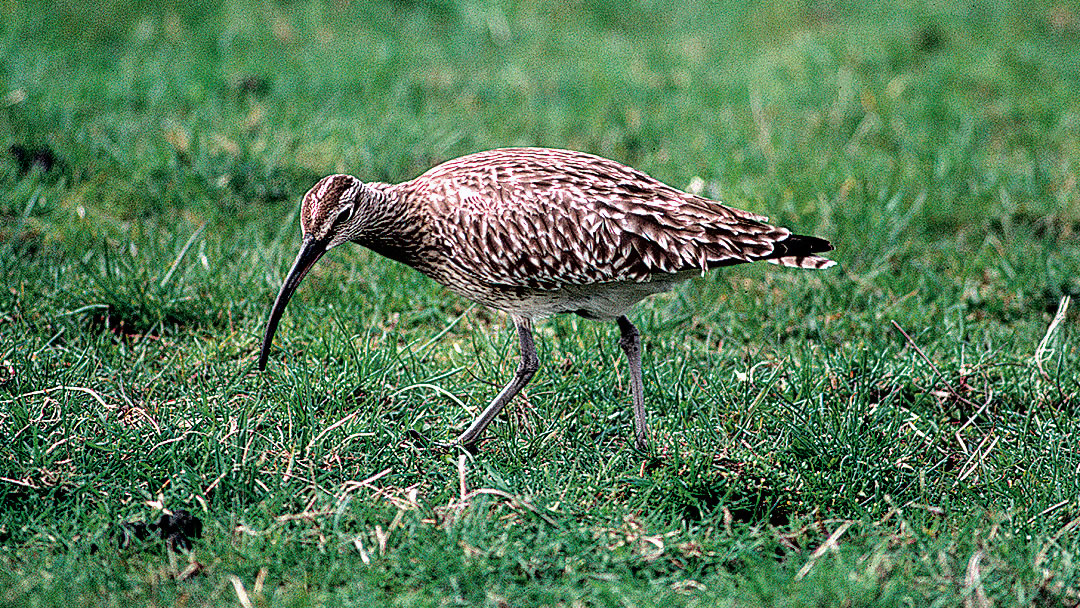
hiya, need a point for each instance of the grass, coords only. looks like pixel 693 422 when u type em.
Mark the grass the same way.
pixel 898 432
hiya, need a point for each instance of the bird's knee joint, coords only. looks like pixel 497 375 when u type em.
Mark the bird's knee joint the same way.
pixel 630 334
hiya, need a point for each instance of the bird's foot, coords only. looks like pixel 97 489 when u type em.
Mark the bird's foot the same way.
pixel 421 442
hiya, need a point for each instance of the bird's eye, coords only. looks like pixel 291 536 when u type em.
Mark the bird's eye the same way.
pixel 345 215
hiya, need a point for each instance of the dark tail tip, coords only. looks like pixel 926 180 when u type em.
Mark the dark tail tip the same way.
pixel 800 244
pixel 798 251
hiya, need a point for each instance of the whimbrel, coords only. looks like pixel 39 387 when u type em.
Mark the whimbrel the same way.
pixel 535 232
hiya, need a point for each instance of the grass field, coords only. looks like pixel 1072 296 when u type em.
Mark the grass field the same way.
pixel 900 431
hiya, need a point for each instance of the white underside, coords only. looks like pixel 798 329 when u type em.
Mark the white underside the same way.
pixel 598 301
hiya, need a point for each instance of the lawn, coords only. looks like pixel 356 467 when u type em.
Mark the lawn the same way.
pixel 901 430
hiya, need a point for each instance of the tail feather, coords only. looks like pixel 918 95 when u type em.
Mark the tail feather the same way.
pixel 797 251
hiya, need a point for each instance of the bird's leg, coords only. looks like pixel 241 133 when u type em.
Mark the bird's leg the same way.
pixel 631 345
pixel 526 369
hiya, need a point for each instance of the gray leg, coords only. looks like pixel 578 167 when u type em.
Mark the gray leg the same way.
pixel 631 345
pixel 525 371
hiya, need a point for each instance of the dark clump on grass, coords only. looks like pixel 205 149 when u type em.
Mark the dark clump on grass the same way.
pixel 149 316
pixel 930 38
pixel 29 158
pixel 19 240
pixel 1053 295
pixel 177 529
pixel 252 84
pixel 109 319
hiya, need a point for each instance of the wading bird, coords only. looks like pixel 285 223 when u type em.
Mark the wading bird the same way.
pixel 535 232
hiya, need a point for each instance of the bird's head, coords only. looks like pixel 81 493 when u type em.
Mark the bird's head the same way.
pixel 328 218
pixel 328 210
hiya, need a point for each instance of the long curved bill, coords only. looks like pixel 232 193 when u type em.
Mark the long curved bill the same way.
pixel 310 252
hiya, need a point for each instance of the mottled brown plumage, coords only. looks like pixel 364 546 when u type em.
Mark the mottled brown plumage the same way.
pixel 535 232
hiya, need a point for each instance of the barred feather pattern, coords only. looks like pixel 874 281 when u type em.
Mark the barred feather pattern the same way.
pixel 536 231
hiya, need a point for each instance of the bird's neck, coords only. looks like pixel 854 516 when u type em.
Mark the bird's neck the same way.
pixel 391 227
